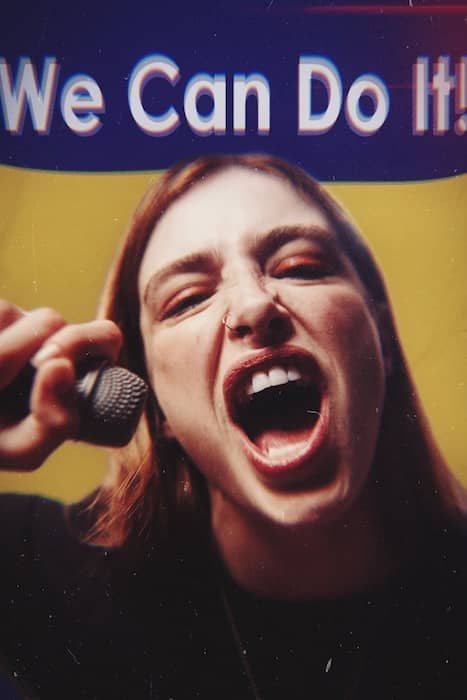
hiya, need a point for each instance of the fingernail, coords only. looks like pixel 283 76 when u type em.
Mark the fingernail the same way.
pixel 47 352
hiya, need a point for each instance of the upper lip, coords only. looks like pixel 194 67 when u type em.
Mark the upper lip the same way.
pixel 263 360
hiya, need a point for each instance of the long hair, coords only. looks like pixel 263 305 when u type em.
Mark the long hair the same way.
pixel 152 486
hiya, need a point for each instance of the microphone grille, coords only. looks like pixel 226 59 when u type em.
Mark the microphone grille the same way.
pixel 112 406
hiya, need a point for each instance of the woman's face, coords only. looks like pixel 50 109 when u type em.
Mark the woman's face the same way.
pixel 261 348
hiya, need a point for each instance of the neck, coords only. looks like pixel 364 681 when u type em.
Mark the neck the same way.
pixel 302 562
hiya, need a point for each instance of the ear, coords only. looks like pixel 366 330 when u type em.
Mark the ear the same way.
pixel 386 328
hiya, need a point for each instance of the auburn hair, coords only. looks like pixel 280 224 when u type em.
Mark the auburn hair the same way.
pixel 152 485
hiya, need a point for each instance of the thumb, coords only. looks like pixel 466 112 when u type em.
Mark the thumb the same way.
pixel 54 403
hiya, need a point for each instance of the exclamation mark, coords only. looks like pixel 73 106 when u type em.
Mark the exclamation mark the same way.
pixel 460 125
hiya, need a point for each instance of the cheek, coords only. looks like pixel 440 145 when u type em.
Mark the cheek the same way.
pixel 360 374
pixel 344 331
pixel 363 346
pixel 181 368
pixel 346 324
pixel 178 360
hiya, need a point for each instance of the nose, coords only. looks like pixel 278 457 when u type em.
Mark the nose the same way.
pixel 255 313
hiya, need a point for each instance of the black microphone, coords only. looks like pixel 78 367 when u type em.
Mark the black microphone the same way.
pixel 111 401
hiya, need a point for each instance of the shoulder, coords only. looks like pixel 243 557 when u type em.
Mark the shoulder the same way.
pixel 25 520
pixel 37 543
pixel 18 508
pixel 30 522
pixel 449 554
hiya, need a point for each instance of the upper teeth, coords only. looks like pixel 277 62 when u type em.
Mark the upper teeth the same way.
pixel 274 377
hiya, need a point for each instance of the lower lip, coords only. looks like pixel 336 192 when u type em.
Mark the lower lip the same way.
pixel 301 462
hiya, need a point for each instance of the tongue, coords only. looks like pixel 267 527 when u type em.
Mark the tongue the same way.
pixel 280 440
pixel 281 418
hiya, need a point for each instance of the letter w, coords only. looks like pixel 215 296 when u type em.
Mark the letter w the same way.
pixel 40 100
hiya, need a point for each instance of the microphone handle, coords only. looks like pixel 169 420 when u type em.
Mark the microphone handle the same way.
pixel 111 401
pixel 14 398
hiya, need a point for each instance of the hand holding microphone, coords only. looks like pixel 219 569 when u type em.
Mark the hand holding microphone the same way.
pixel 58 381
pixel 110 401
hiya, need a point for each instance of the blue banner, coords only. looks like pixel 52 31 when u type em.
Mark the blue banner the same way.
pixel 351 92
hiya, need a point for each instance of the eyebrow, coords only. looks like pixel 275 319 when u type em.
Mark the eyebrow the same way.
pixel 263 246
pixel 204 262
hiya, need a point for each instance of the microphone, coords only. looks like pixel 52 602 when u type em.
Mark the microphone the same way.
pixel 111 401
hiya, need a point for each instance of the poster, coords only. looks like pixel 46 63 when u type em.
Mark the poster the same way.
pixel 370 98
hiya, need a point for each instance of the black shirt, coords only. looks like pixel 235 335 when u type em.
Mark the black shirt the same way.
pixel 82 622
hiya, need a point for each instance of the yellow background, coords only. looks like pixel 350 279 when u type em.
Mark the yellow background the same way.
pixel 58 233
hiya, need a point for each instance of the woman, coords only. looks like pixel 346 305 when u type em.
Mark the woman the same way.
pixel 282 523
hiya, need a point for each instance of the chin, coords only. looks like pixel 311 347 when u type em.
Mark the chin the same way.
pixel 310 505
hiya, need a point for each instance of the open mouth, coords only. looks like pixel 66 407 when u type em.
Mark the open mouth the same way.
pixel 280 414
pixel 277 404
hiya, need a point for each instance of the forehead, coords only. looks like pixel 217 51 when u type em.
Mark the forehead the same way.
pixel 227 210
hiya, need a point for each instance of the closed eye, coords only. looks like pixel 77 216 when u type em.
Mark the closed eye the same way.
pixel 302 267
pixel 182 304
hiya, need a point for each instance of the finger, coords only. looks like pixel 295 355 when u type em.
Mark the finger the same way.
pixel 8 313
pixel 53 418
pixel 26 446
pixel 22 338
pixel 82 341
pixel 53 399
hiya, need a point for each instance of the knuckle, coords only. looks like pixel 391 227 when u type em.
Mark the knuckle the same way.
pixel 56 418
pixel 112 331
pixel 75 339
pixel 91 336
pixel 49 319
pixel 59 423
pixel 65 335
pixel 8 313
